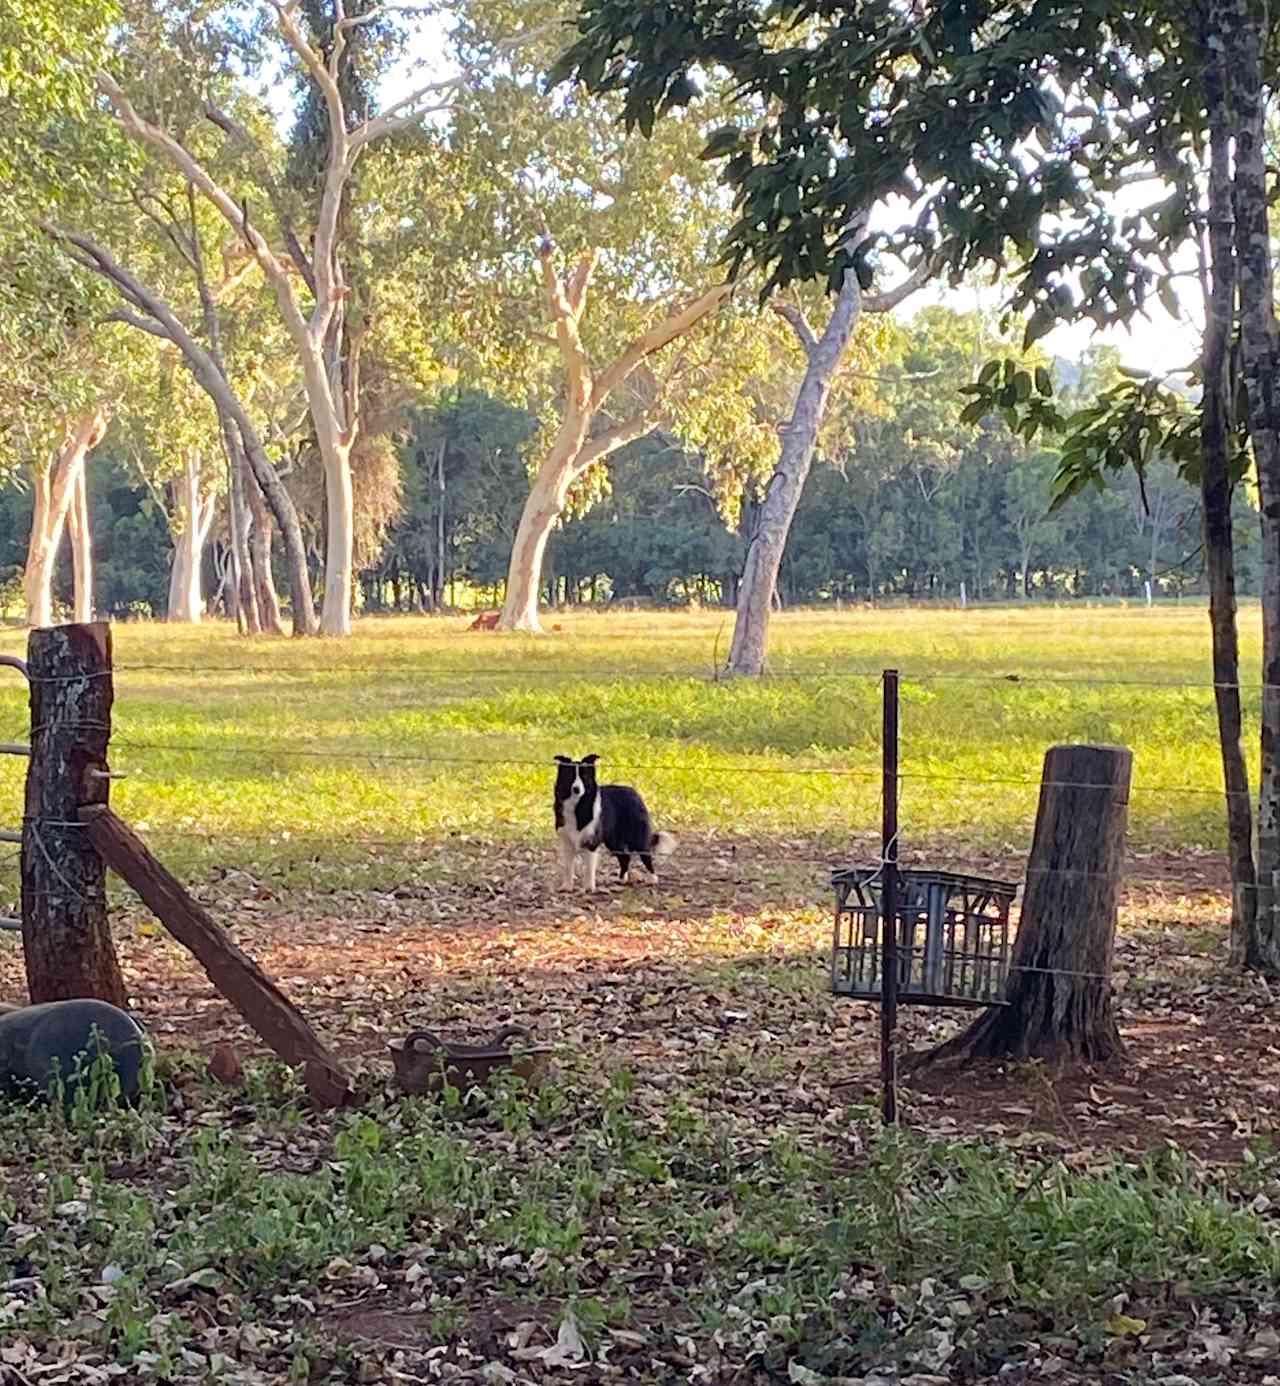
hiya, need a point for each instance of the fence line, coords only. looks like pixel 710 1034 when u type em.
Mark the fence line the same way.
pixel 404 848
pixel 697 673
pixel 268 752
pixel 726 857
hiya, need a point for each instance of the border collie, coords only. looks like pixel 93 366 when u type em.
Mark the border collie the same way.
pixel 613 816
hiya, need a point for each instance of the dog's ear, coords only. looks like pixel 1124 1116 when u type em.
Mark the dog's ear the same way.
pixel 590 760
pixel 564 760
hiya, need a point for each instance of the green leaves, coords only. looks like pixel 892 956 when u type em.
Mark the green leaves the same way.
pixel 1131 425
pixel 1019 393
pixel 965 110
pixel 722 142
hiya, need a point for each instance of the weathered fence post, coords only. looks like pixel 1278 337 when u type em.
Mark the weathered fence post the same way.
pixel 227 966
pixel 66 935
pixel 1059 996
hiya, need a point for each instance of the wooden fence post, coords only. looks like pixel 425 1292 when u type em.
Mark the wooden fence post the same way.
pixel 1059 995
pixel 228 967
pixel 66 935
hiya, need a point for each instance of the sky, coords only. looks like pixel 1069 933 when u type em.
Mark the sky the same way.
pixel 1160 343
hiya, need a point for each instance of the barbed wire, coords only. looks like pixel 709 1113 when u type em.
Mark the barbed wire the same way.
pixel 699 673
pixel 268 751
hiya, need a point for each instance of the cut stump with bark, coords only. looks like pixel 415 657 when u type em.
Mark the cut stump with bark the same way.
pixel 237 977
pixel 66 933
pixel 1059 1004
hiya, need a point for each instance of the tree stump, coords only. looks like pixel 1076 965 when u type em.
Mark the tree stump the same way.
pixel 1059 1005
pixel 66 935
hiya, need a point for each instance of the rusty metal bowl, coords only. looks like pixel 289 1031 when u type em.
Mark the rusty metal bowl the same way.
pixel 425 1062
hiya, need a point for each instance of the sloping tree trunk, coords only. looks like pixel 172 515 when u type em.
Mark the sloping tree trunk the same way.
pixel 331 400
pixel 260 559
pixel 193 521
pixel 1216 487
pixel 53 494
pixel 1242 27
pixel 799 440
pixel 758 588
pixel 574 450
pixel 155 317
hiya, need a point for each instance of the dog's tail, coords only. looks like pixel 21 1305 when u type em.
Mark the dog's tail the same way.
pixel 663 845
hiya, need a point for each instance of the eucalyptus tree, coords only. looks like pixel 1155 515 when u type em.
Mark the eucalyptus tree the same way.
pixel 586 288
pixel 56 397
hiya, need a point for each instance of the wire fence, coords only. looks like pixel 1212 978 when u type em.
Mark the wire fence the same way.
pixel 702 673
pixel 133 749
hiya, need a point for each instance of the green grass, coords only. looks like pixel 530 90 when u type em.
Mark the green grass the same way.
pixel 674 1183
pixel 566 1200
pixel 415 732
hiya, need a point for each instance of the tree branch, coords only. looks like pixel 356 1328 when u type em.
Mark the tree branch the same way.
pixel 606 443
pixel 232 128
pixel 889 299
pixel 129 319
pixel 389 121
pixel 568 338
pixel 406 111
pixel 168 228
pixel 191 168
pixel 579 281
pixel 655 339
pixel 799 324
pixel 329 289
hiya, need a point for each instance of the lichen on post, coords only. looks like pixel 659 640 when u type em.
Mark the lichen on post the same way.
pixel 66 934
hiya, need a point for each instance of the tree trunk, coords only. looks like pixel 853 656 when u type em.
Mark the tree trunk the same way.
pixel 53 491
pixel 81 550
pixel 301 603
pixel 1240 27
pixel 524 573
pixel 799 439
pixel 193 521
pixel 238 522
pixel 260 558
pixel 1060 1006
pixel 222 571
pixel 37 576
pixel 66 934
pixel 335 453
pixel 335 614
pixel 437 591
pixel 572 453
pixel 1215 494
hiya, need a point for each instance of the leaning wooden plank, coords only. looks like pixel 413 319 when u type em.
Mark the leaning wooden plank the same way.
pixel 240 979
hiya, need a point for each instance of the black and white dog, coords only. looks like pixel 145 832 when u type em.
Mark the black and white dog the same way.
pixel 590 816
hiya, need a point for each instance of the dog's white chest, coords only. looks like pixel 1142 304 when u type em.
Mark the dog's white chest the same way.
pixel 576 837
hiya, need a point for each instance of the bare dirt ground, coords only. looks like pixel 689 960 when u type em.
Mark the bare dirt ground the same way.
pixel 727 956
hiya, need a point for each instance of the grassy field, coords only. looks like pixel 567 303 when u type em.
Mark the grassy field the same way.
pixel 415 732
pixel 702 1192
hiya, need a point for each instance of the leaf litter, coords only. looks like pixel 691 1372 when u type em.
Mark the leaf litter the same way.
pixel 702 1192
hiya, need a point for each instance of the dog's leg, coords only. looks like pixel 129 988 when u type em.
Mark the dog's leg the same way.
pixel 624 865
pixel 593 862
pixel 568 864
pixel 647 859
